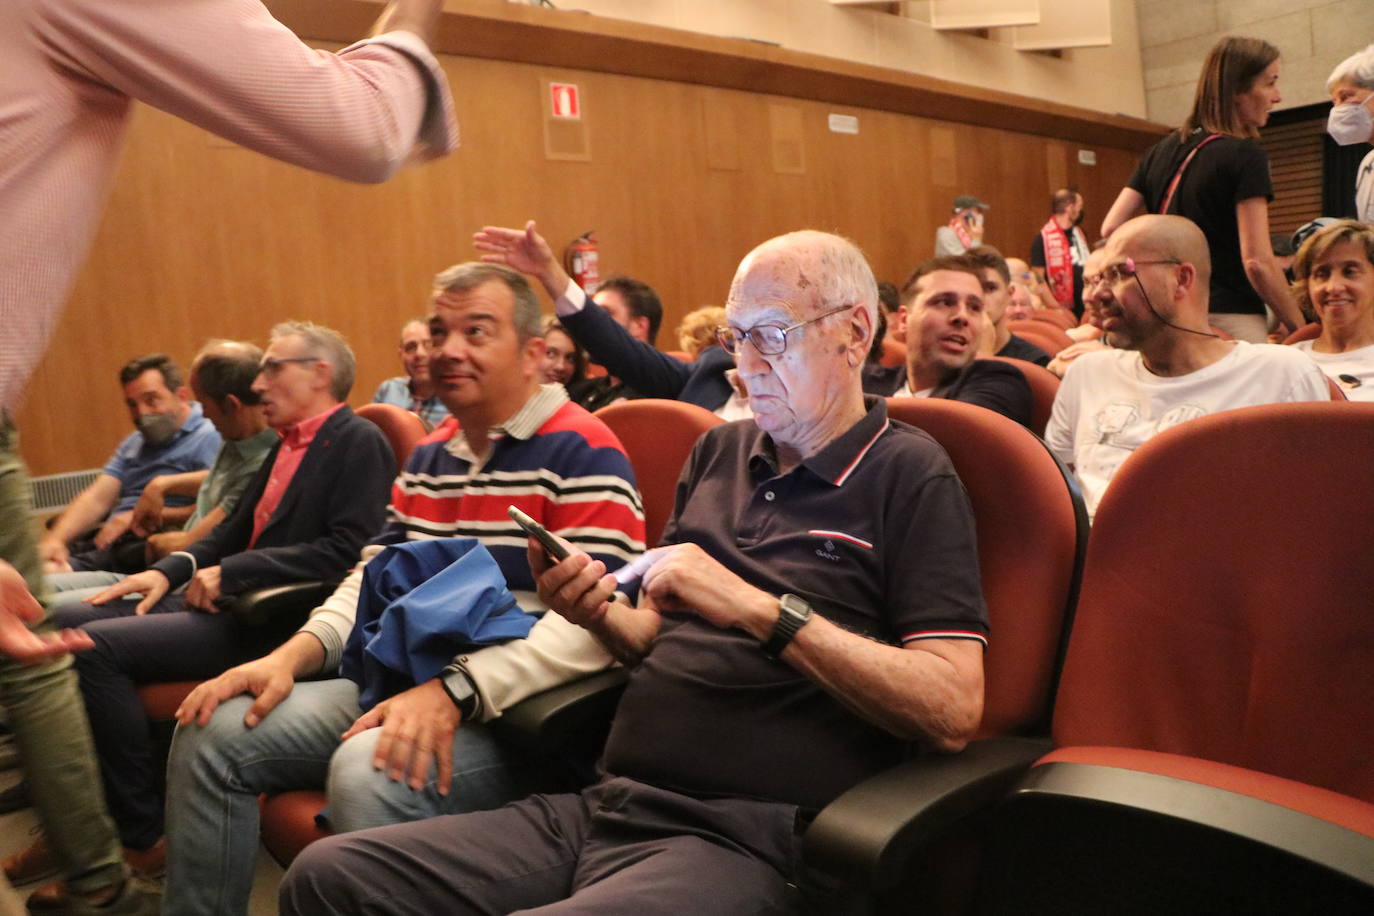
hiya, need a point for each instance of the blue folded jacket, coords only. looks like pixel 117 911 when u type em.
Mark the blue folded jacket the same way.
pixel 421 604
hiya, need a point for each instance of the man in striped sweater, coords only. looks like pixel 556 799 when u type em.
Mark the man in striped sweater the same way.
pixel 510 440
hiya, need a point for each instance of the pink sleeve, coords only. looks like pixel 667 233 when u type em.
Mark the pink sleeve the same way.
pixel 229 67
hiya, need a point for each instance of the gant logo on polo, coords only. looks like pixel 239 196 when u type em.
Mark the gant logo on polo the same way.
pixel 828 552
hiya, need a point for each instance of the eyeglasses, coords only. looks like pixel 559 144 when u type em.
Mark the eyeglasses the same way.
pixel 1113 274
pixel 273 364
pixel 768 339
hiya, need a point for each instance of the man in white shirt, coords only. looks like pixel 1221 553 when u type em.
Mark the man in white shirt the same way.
pixel 1165 367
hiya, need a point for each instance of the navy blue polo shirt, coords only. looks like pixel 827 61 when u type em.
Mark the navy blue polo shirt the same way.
pixel 875 531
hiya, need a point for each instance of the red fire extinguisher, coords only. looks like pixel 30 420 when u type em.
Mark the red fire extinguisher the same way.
pixel 580 261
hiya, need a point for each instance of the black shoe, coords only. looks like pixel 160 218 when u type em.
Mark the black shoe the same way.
pixel 15 797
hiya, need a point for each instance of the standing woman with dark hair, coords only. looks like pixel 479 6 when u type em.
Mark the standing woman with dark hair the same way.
pixel 1213 172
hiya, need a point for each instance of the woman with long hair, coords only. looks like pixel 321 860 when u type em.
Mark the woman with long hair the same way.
pixel 1213 172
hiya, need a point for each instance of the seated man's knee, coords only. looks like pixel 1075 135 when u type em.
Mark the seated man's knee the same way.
pixel 361 796
pixel 322 879
pixel 196 745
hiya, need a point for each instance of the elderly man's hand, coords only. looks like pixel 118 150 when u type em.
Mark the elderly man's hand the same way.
pixel 686 578
pixel 525 251
pixel 417 732
pixel 151 583
pixel 18 608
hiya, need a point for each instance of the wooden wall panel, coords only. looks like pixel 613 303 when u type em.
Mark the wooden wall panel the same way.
pixel 1295 165
pixel 203 239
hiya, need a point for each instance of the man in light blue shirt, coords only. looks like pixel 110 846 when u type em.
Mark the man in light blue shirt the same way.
pixel 172 436
pixel 415 390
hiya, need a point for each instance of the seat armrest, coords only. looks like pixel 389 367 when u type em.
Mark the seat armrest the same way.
pixel 1220 804
pixel 867 835
pixel 275 604
pixel 560 716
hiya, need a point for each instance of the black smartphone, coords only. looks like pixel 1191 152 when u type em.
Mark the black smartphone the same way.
pixel 552 546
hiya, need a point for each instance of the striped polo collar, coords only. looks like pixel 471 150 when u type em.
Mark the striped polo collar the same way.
pixel 838 460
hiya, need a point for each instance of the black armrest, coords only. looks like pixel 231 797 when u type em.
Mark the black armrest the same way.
pixel 867 835
pixel 279 605
pixel 561 716
pixel 1293 833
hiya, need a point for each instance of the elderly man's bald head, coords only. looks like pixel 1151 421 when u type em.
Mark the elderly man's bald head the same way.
pixel 1165 238
pixel 812 268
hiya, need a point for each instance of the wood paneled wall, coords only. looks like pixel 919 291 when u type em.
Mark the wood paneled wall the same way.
pixel 203 239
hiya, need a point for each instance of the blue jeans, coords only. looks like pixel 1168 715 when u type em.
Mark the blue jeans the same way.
pixel 167 644
pixel 74 587
pixel 215 774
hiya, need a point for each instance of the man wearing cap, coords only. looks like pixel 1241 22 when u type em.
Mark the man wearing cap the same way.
pixel 965 228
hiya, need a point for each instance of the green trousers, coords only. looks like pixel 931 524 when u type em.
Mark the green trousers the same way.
pixel 47 715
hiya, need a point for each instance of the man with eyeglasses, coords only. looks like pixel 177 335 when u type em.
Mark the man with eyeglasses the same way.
pixel 816 616
pixel 709 381
pixel 1166 366
pixel 292 720
pixel 318 496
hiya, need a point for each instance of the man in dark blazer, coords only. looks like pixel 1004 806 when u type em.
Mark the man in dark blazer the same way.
pixel 320 494
pixel 943 309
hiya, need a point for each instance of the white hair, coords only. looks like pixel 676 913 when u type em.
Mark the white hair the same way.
pixel 832 267
pixel 1358 68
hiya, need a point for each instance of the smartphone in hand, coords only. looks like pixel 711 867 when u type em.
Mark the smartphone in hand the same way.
pixel 555 549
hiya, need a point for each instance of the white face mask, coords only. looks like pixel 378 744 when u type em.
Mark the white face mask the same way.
pixel 1350 123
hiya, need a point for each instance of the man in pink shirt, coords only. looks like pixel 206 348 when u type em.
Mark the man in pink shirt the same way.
pixel 319 495
pixel 69 70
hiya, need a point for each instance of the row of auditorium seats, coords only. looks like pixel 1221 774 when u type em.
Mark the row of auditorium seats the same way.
pixel 1211 726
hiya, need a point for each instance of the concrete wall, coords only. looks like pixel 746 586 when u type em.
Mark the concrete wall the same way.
pixel 1314 36
pixel 1103 79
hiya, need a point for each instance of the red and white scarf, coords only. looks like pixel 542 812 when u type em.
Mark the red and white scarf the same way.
pixel 960 227
pixel 1058 262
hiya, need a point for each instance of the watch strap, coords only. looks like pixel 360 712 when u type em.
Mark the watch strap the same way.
pixel 793 613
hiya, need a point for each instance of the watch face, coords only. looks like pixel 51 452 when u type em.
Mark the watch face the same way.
pixel 795 606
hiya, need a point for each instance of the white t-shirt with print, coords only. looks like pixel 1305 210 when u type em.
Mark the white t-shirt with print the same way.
pixel 1109 403
pixel 1353 370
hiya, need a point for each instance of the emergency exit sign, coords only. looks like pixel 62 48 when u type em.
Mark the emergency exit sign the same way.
pixel 564 101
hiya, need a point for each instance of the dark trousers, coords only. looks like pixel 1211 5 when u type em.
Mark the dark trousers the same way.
pixel 167 644
pixel 619 847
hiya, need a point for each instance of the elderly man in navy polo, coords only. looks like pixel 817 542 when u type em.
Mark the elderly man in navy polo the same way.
pixel 816 616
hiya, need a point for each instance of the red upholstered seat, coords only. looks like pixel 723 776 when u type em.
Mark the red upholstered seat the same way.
pixel 1029 536
pixel 288 823
pixel 894 353
pixel 1225 611
pixel 1043 334
pixel 1060 318
pixel 1212 721
pixel 401 427
pixel 1044 385
pixel 658 435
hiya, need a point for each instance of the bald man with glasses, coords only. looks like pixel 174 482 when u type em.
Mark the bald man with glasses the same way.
pixel 1166 365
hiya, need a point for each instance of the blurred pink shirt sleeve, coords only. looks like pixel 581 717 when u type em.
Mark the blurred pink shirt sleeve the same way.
pixel 69 68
